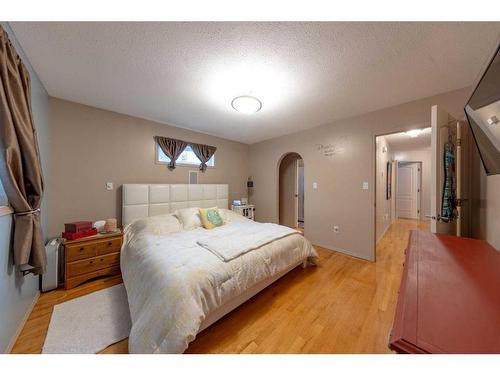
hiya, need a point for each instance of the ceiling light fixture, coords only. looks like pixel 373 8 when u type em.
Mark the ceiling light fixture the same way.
pixel 413 133
pixel 246 104
pixel 492 120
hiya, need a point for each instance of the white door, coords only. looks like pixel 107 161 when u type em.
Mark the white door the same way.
pixel 408 191
pixel 441 132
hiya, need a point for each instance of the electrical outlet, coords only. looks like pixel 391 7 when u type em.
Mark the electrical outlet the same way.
pixel 315 185
pixel 336 229
pixel 109 186
pixel 365 186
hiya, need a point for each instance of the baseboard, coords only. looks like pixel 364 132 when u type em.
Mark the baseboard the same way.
pixel 22 323
pixel 383 234
pixel 344 252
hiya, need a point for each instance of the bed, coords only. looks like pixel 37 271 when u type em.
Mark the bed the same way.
pixel 181 278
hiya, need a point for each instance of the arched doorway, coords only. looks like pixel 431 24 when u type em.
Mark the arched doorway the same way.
pixel 291 191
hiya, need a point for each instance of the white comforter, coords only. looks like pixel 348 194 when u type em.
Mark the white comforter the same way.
pixel 231 241
pixel 173 283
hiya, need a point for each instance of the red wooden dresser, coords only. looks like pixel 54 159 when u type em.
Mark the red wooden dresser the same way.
pixel 449 298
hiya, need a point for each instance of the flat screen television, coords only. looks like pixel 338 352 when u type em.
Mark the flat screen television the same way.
pixel 483 114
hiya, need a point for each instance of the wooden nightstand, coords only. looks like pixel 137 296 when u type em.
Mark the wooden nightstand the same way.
pixel 90 257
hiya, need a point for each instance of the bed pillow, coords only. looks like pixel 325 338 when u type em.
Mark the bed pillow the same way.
pixel 210 218
pixel 158 225
pixel 164 224
pixel 189 217
pixel 230 216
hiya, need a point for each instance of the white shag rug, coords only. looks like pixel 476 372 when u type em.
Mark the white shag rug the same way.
pixel 90 323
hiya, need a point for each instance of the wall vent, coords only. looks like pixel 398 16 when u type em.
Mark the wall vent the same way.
pixel 193 177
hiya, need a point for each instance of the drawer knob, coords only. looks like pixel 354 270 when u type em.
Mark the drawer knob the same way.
pixel 81 249
pixel 110 243
pixel 102 259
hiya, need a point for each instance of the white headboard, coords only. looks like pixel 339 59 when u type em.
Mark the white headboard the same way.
pixel 143 200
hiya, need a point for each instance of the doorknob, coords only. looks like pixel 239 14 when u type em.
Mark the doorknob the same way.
pixel 433 217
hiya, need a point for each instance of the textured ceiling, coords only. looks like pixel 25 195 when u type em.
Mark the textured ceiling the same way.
pixel 403 142
pixel 305 74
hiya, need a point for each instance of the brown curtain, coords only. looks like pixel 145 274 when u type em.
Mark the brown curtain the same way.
pixel 204 153
pixel 172 148
pixel 20 169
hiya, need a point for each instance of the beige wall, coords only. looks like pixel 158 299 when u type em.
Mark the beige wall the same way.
pixel 287 190
pixel 424 155
pixel 90 147
pixel 383 213
pixel 340 171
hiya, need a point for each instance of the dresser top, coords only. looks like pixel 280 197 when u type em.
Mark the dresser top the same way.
pixel 99 236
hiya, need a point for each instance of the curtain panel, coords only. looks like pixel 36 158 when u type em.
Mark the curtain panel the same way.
pixel 172 148
pixel 204 153
pixel 20 167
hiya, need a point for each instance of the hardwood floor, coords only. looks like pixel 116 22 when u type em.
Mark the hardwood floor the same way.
pixel 345 305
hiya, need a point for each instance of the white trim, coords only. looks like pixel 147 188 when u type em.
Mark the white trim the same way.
pixel 22 324
pixel 383 234
pixel 6 210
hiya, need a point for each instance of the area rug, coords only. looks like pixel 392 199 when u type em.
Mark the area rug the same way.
pixel 90 323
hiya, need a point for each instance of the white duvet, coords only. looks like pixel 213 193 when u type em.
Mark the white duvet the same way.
pixel 231 241
pixel 173 283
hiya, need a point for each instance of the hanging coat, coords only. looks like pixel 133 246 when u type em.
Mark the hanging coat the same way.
pixel 448 203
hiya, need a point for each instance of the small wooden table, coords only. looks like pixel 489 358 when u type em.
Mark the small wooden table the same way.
pixel 90 257
pixel 449 298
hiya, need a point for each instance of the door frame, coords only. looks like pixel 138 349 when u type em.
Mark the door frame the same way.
pixel 373 177
pixel 297 191
pixel 278 185
pixel 296 194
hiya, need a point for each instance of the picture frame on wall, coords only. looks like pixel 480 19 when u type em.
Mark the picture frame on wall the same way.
pixel 388 185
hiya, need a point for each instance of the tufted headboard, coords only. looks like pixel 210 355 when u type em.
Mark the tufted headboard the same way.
pixel 143 200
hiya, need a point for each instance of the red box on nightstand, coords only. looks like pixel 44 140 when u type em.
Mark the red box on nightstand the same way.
pixel 78 226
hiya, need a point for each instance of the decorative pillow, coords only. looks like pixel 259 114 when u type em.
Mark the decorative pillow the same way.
pixel 189 217
pixel 210 218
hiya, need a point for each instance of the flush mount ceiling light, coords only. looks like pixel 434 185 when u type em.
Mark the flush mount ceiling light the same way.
pixel 413 133
pixel 492 120
pixel 246 104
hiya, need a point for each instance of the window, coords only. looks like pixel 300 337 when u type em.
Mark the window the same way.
pixel 4 203
pixel 3 196
pixel 188 157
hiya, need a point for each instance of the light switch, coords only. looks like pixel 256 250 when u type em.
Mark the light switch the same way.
pixel 365 185
pixel 315 185
pixel 109 186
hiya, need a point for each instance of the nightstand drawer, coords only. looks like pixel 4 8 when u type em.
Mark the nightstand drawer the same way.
pixel 112 245
pixel 77 280
pixel 81 251
pixel 93 264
